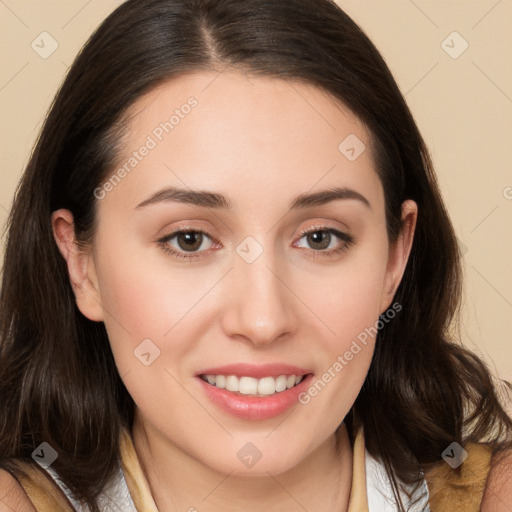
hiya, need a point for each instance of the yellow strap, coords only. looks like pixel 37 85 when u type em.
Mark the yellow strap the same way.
pixel 134 476
pixel 358 498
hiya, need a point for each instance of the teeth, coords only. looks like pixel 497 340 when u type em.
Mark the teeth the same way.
pixel 281 383
pixel 232 383
pixel 250 386
pixel 266 386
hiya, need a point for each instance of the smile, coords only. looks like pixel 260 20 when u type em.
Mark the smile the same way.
pixel 246 385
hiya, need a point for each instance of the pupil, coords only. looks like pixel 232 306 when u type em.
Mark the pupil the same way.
pixel 319 239
pixel 190 240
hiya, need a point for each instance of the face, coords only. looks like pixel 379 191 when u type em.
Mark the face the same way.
pixel 246 234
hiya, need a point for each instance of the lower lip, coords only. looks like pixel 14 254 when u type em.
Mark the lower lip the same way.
pixel 255 407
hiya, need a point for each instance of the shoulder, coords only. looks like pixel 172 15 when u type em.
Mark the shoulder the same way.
pixel 12 495
pixel 498 489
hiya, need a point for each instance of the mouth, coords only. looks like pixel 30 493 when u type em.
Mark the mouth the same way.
pixel 251 386
pixel 254 392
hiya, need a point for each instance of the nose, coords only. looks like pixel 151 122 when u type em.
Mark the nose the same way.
pixel 261 306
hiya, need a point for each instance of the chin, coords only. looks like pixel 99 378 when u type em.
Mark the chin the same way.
pixel 250 461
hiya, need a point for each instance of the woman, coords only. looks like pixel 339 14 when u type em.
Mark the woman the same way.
pixel 229 278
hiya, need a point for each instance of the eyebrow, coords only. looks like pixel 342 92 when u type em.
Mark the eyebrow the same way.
pixel 326 196
pixel 195 197
pixel 218 201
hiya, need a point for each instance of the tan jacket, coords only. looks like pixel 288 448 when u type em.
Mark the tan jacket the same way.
pixel 447 491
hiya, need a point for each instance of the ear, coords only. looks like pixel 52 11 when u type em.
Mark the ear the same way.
pixel 80 263
pixel 399 253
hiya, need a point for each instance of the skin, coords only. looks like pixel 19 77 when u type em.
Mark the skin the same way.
pixel 260 142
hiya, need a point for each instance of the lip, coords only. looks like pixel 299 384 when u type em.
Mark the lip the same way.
pixel 254 408
pixel 256 371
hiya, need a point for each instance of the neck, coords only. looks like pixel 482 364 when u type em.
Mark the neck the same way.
pixel 180 482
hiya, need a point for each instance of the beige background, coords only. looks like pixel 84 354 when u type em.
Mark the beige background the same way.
pixel 463 106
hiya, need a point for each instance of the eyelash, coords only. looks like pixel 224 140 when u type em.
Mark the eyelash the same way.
pixel 347 242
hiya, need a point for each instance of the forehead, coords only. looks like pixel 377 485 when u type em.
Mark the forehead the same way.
pixel 243 134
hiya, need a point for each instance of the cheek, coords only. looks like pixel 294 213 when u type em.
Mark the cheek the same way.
pixel 144 299
pixel 347 297
pixel 348 307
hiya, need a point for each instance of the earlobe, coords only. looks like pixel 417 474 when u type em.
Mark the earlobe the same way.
pixel 80 264
pixel 399 253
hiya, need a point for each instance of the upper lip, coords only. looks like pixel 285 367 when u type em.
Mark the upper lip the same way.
pixel 256 371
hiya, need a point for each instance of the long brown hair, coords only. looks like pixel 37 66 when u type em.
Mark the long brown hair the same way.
pixel 58 379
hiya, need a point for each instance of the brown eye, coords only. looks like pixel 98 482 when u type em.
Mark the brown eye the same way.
pixel 325 241
pixel 319 240
pixel 187 241
pixel 190 240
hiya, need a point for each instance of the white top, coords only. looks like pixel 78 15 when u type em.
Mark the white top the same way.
pixel 116 497
pixel 380 493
